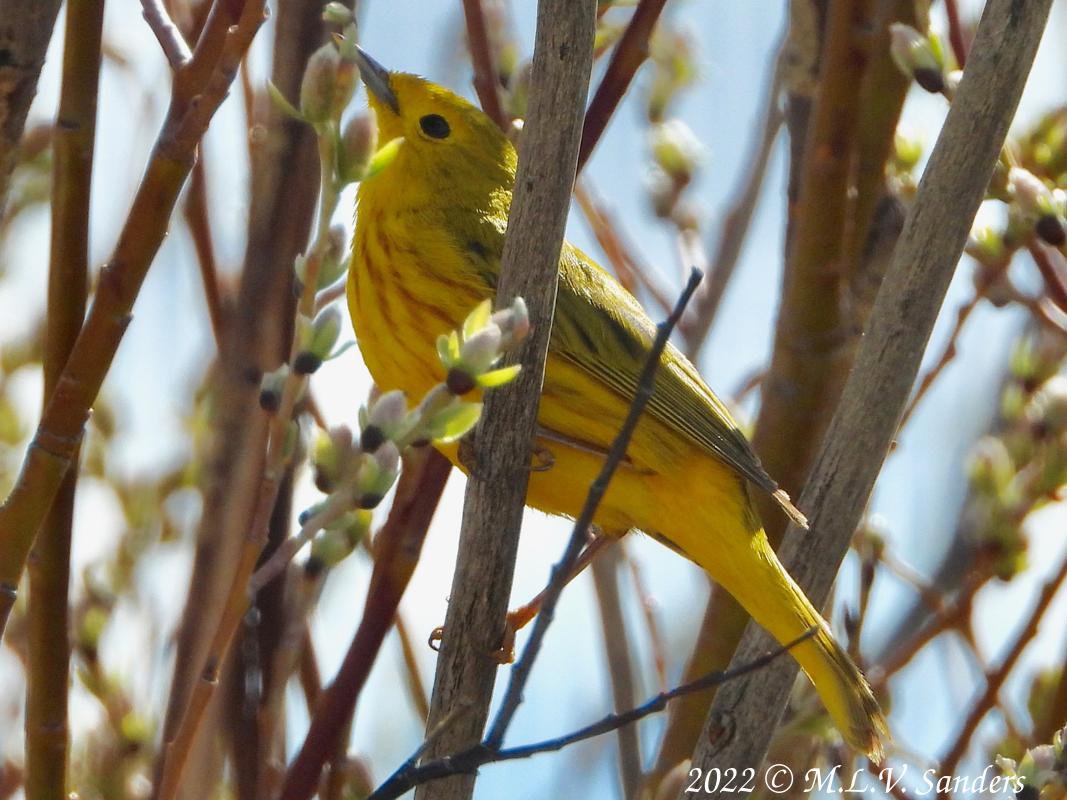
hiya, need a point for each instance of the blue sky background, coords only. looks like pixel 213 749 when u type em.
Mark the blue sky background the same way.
pixel 168 346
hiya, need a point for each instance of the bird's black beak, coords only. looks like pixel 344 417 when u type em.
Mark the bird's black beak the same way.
pixel 376 79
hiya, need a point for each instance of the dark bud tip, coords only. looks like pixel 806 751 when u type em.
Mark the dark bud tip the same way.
pixel 322 482
pixel 459 382
pixel 930 79
pixel 305 515
pixel 370 501
pixel 371 439
pixel 1049 228
pixel 270 401
pixel 306 363
pixel 314 567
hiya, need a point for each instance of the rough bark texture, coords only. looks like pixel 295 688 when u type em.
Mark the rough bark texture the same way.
pixel 496 494
pixel 745 713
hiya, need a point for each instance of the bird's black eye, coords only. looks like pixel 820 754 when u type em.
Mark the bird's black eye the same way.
pixel 435 126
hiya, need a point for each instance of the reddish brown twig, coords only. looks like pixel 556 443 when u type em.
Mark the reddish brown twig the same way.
pixel 483 59
pixel 735 222
pixel 947 355
pixel 652 623
pixel 955 33
pixel 994 680
pixel 397 552
pixel 197 218
pixel 416 686
pixel 630 53
pixel 1053 270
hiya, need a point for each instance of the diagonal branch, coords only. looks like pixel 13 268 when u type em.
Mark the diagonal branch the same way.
pixel 167 33
pixel 410 774
pixel 397 552
pixel 737 733
pixel 630 53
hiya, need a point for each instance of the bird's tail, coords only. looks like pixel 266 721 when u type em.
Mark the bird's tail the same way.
pixel 751 572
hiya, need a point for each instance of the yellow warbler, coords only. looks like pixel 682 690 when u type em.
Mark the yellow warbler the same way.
pixel 429 233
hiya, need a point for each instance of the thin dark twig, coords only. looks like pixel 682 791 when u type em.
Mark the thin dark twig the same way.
pixel 521 672
pixel 409 775
pixel 167 33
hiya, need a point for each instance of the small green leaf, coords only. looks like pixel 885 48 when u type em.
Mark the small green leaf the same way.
pixel 498 377
pixel 384 156
pixel 478 318
pixel 453 423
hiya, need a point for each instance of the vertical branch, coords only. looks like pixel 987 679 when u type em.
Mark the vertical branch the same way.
pixel 995 679
pixel 48 647
pixel 738 729
pixel 619 664
pixel 496 492
pixel 25 30
pixel 195 210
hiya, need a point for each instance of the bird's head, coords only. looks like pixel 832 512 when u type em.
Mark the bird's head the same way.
pixel 449 139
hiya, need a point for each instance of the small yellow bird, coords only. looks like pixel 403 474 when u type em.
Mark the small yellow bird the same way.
pixel 429 235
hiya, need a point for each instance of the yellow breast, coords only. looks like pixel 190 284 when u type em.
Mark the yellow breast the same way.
pixel 408 284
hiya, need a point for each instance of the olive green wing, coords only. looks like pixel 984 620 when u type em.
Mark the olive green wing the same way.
pixel 601 328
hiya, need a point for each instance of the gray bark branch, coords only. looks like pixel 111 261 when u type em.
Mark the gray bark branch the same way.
pixel 496 492
pixel 745 713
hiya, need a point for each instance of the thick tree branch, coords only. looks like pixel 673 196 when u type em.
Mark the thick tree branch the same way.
pixel 738 730
pixel 496 493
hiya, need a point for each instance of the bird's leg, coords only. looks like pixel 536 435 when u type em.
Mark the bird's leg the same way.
pixel 524 614
pixel 521 616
